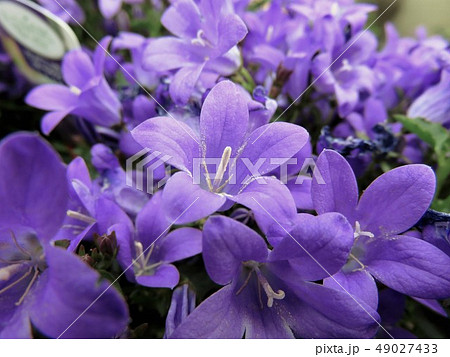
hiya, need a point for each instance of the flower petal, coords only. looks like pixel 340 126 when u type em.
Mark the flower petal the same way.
pixel 317 246
pixel 183 83
pixel 180 244
pixel 52 97
pixel 268 147
pixel 216 317
pixel 396 200
pixel 410 266
pixel 165 276
pixel 185 202
pixel 338 192
pixel 359 284
pixel 223 120
pixel 182 19
pixel 33 186
pixel 226 244
pixel 271 203
pixel 77 68
pixel 151 221
pixel 169 137
pixel 66 295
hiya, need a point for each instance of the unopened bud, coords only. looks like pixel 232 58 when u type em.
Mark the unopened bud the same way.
pixel 106 243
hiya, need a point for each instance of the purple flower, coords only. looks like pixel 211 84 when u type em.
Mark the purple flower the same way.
pixel 136 44
pixel 110 8
pixel 87 93
pixel 154 249
pixel 350 77
pixel 62 9
pixel 40 283
pixel 271 294
pixel 391 205
pixel 92 210
pixel 182 304
pixel 224 138
pixel 206 36
pixel 112 181
pixel 434 103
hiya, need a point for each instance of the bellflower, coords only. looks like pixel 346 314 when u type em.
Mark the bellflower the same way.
pixel 63 8
pixel 110 8
pixel 205 38
pixel 112 181
pixel 136 44
pixel 349 77
pixel 224 138
pixel 91 210
pixel 40 283
pixel 391 205
pixel 87 93
pixel 434 103
pixel 154 249
pixel 182 304
pixel 271 294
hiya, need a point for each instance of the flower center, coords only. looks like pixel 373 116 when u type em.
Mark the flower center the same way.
pixel 216 185
pixel 141 263
pixel 201 39
pixel 358 250
pixel 358 232
pixel 20 258
pixel 262 282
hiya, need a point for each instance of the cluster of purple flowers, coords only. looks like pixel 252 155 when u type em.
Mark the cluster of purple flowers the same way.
pixel 229 104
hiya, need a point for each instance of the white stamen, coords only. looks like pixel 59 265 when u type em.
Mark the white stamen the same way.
pixel 75 90
pixel 80 216
pixel 358 232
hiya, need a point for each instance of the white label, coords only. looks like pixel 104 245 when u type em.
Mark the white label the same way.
pixel 31 31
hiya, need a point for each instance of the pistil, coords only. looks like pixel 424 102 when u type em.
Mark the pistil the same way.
pixel 262 282
pixel 358 232
pixel 200 39
pixel 271 295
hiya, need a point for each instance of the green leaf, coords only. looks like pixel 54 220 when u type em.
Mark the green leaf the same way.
pixel 435 135
pixel 442 205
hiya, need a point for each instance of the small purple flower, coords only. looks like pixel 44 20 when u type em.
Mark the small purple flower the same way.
pixel 182 304
pixel 62 9
pixel 40 283
pixel 206 36
pixel 271 294
pixel 154 248
pixel 391 205
pixel 92 210
pixel 112 181
pixel 110 8
pixel 224 137
pixel 136 44
pixel 87 93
